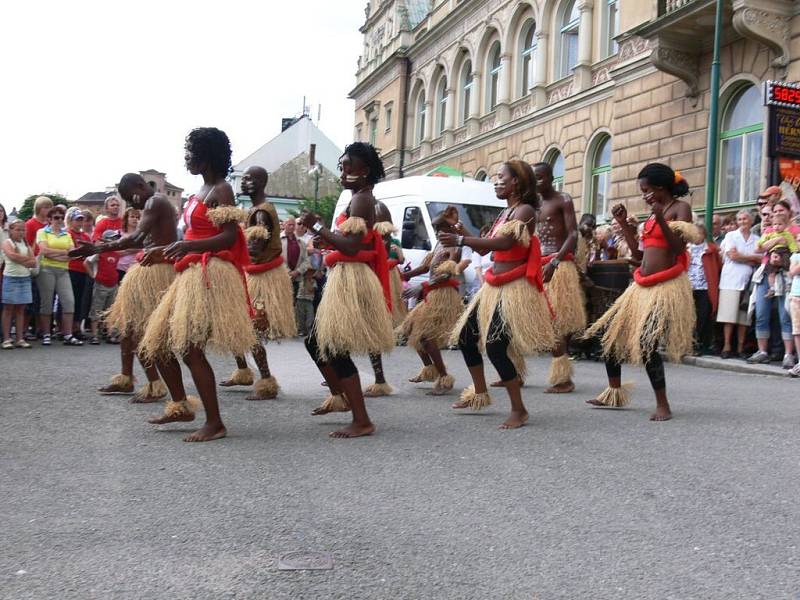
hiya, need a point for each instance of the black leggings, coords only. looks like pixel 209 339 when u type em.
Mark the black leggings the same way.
pixel 342 364
pixel 496 346
pixel 653 365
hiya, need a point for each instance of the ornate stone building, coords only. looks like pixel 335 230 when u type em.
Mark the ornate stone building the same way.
pixel 597 88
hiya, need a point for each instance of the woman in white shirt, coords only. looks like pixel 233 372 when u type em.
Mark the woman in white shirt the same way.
pixel 738 260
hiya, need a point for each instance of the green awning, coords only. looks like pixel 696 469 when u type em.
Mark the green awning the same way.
pixel 444 171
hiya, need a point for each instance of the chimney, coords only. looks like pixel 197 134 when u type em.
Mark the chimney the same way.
pixel 312 155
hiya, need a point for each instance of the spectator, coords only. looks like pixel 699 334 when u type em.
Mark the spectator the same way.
pixel 127 258
pixel 587 242
pixel 3 238
pixel 717 235
pixel 728 225
pixel 54 243
pixel 738 260
pixel 303 234
pixel 19 261
pixel 106 283
pixel 772 195
pixel 764 302
pixel 294 253
pixel 111 220
pixel 41 206
pixel 794 303
pixel 81 282
pixel 88 223
pixel 304 304
pixel 704 272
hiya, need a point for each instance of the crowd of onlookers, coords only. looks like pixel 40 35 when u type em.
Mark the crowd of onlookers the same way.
pixel 745 281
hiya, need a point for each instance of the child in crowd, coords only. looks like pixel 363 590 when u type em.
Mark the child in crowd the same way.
pixel 106 283
pixel 304 307
pixel 778 263
pixel 17 292
pixel 794 303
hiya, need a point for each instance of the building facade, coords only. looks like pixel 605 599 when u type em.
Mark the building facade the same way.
pixel 158 181
pixel 596 88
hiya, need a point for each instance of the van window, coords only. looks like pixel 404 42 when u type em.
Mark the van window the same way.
pixel 474 216
pixel 415 234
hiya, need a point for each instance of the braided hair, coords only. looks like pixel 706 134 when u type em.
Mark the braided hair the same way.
pixel 661 175
pixel 526 182
pixel 367 154
pixel 211 146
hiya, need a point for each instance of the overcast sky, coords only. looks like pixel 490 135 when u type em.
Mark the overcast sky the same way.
pixel 93 89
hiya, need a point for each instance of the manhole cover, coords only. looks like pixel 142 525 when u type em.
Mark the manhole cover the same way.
pixel 305 561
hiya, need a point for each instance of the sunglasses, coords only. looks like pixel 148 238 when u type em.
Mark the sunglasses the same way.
pixel 766 214
pixel 761 202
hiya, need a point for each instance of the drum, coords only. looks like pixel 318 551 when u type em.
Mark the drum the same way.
pixel 610 279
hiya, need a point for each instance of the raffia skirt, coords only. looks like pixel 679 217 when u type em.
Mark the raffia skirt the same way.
pixel 643 318
pixel 201 310
pixel 352 317
pixel 566 296
pixel 271 293
pixel 433 319
pixel 399 309
pixel 138 296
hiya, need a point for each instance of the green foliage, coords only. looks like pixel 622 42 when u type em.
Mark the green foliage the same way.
pixel 324 208
pixel 25 211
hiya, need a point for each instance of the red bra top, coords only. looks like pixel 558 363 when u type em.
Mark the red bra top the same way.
pixel 516 252
pixel 652 235
pixel 200 227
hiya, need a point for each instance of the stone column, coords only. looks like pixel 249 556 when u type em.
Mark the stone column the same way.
pixel 449 117
pixel 425 146
pixel 503 110
pixel 583 70
pixel 539 89
pixel 473 123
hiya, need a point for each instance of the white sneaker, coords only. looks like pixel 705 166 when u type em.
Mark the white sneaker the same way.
pixel 789 361
pixel 795 370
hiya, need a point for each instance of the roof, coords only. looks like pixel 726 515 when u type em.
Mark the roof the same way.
pixel 291 143
pixel 93 197
pixel 172 186
pixel 417 11
pixel 151 172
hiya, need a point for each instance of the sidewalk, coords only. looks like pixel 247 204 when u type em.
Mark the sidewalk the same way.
pixel 736 365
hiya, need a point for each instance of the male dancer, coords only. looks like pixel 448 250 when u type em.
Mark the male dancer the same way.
pixel 268 283
pixel 141 289
pixel 558 233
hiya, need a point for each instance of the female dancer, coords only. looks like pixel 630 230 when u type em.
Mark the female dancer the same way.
pixel 352 317
pixel 510 316
pixel 207 304
pixel 656 307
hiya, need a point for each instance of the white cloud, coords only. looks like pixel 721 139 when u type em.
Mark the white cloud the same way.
pixel 94 89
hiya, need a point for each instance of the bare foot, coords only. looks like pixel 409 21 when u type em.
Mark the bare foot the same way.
pixel 561 388
pixel 142 399
pixel 254 397
pixel 596 402
pixel 115 389
pixel 163 419
pixel 231 383
pixel 661 414
pixel 499 383
pixel 515 420
pixel 320 411
pixel 207 433
pixel 460 404
pixel 353 430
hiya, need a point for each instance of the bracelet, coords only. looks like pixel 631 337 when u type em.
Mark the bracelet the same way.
pixel 317 227
pixel 460 241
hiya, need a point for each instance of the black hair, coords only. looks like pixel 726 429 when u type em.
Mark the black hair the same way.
pixel 367 154
pixel 4 222
pixel 211 146
pixel 526 182
pixel 785 204
pixel 661 175
pixel 129 180
pixel 545 166
pixel 587 218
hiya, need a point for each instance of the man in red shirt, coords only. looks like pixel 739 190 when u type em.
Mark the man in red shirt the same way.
pixel 39 219
pixel 112 221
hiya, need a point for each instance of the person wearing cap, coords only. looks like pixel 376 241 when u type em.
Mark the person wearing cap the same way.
pixel 81 282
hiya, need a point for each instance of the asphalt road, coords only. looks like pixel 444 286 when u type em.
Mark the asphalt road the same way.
pixel 581 503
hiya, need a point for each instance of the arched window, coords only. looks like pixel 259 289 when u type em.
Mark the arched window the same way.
pixel 568 41
pixel 480 175
pixel 441 100
pixel 494 66
pixel 740 145
pixel 467 83
pixel 610 27
pixel 601 177
pixel 556 162
pixel 527 55
pixel 422 113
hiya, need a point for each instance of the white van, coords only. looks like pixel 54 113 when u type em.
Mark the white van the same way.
pixel 414 201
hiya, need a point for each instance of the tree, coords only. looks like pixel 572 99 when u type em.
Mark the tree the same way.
pixel 325 207
pixel 25 211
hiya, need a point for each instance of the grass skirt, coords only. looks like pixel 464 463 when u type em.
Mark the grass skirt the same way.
pixel 271 293
pixel 138 297
pixel 194 313
pixel 352 316
pixel 566 296
pixel 644 317
pixel 399 310
pixel 433 319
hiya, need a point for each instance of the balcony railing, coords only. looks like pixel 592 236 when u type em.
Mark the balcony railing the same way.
pixel 667 6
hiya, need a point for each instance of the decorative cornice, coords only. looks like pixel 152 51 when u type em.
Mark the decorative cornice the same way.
pixel 683 65
pixel 766 27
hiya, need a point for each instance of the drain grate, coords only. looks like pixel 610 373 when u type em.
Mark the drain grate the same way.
pixel 305 561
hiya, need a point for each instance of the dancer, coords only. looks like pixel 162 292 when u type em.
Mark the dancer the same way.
pixel 657 307
pixel 207 304
pixel 141 288
pixel 428 326
pixel 510 316
pixel 558 234
pixel 269 285
pixel 352 317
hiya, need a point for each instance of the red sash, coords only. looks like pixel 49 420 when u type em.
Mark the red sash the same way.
pixel 681 266
pixel 376 259
pixel 530 270
pixel 140 255
pixel 254 268
pixel 427 288
pixel 570 257
pixel 392 263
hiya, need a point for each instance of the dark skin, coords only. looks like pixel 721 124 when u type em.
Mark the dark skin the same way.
pixel 506 188
pixel 665 208
pixel 558 234
pixel 214 192
pixel 156 229
pixel 254 184
pixel 362 204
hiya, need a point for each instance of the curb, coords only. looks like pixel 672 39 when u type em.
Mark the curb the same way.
pixel 734 365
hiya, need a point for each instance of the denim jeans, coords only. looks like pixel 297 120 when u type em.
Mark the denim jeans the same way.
pixel 764 313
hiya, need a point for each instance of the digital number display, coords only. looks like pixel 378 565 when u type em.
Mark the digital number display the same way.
pixel 782 94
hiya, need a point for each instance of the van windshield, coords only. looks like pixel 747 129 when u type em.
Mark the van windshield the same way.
pixel 474 216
